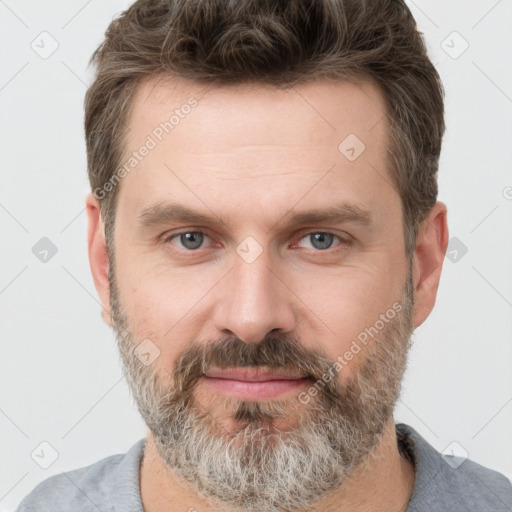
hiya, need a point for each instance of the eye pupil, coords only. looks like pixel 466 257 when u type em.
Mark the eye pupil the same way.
pixel 191 240
pixel 325 240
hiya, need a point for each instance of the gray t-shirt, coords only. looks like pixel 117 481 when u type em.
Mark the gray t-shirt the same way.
pixel 442 484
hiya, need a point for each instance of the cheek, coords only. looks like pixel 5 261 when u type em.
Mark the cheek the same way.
pixel 162 305
pixel 348 304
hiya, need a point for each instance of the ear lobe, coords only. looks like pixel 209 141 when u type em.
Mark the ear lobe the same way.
pixel 98 254
pixel 431 245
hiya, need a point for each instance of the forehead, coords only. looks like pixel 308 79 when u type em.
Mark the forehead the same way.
pixel 205 138
pixel 316 109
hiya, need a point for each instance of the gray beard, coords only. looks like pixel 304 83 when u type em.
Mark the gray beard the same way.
pixel 260 467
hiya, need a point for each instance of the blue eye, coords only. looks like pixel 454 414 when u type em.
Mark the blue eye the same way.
pixel 190 240
pixel 321 240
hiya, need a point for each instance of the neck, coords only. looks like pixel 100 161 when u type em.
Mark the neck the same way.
pixel 384 481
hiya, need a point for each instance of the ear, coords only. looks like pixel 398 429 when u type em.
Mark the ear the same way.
pixel 98 255
pixel 431 244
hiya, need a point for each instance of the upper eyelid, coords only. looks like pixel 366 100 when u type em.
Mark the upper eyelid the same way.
pixel 167 237
pixel 343 239
pixel 307 231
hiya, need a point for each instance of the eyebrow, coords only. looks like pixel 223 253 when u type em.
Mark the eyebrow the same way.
pixel 168 212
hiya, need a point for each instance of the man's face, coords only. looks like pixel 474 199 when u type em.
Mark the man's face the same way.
pixel 257 285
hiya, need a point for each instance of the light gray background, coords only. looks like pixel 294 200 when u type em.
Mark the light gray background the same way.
pixel 60 379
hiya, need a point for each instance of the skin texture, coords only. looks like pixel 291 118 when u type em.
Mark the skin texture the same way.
pixel 250 156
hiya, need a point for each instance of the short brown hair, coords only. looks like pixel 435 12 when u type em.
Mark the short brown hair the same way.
pixel 281 43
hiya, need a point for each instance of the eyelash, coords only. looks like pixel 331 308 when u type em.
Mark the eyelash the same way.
pixel 343 241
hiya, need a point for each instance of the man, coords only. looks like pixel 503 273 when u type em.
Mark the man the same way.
pixel 264 236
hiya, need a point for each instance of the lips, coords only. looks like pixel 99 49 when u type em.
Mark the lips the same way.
pixel 259 374
pixel 253 383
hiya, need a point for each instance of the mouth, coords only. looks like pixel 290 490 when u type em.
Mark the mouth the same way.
pixel 254 383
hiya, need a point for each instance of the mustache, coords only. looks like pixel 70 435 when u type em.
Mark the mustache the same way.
pixel 274 351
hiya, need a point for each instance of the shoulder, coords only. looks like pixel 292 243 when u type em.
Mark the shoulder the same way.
pixel 483 486
pixel 86 488
pixel 452 483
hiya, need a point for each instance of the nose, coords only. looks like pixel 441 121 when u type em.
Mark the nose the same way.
pixel 254 301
